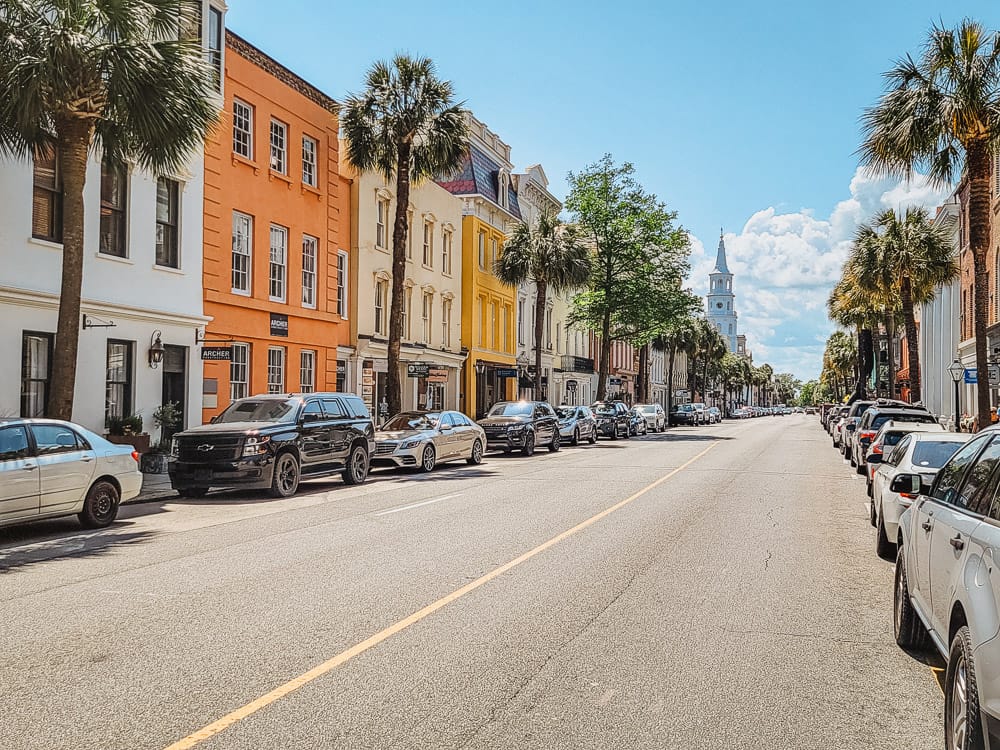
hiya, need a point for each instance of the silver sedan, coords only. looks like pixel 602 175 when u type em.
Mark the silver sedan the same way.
pixel 577 423
pixel 425 439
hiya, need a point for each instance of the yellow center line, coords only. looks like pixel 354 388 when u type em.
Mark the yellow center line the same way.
pixel 223 723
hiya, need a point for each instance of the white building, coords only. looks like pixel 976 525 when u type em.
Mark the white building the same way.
pixel 142 285
pixel 721 304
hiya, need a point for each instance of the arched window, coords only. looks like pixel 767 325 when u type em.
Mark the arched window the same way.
pixel 503 185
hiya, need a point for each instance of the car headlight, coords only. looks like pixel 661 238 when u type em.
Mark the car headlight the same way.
pixel 410 444
pixel 516 427
pixel 256 445
pixel 175 448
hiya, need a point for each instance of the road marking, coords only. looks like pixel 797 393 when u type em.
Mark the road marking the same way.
pixel 221 724
pixel 417 505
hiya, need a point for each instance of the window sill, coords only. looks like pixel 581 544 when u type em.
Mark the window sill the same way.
pixel 382 249
pixel 274 175
pixel 238 159
pixel 306 188
pixel 308 307
pixel 168 269
pixel 240 292
pixel 48 244
pixel 427 267
pixel 114 259
pixel 277 300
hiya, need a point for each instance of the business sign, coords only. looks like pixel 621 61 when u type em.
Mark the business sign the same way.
pixel 506 372
pixel 437 374
pixel 614 381
pixel 279 324
pixel 381 365
pixel 216 353
pixel 971 376
pixel 417 370
pixel 994 375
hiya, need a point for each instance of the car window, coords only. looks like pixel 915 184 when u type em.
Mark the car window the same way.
pixel 14 443
pixel 333 408
pixel 312 407
pixel 54 438
pixel 898 452
pixel 932 454
pixel 464 420
pixel 446 422
pixel 950 477
pixel 893 438
pixel 357 407
pixel 973 493
pixel 412 420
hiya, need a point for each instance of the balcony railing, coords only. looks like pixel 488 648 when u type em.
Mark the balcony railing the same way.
pixel 577 364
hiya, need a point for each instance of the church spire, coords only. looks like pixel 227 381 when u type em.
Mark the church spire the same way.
pixel 720 259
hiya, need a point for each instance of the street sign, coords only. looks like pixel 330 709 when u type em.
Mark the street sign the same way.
pixel 994 375
pixel 216 353
pixel 971 376
pixel 506 372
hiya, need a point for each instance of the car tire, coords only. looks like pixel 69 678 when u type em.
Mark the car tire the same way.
pixel 428 459
pixel 907 627
pixel 476 457
pixel 593 436
pixel 285 477
pixel 883 547
pixel 963 727
pixel 871 492
pixel 614 433
pixel 860 468
pixel 529 444
pixel 871 513
pixel 357 467
pixel 576 437
pixel 193 492
pixel 100 509
pixel 556 441
pixel 628 432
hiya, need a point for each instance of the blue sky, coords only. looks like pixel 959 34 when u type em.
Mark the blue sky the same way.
pixel 737 115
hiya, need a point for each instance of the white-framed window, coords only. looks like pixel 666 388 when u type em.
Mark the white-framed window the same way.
pixel 239 371
pixel 310 250
pixel 279 263
pixel 558 338
pixel 504 326
pixel 494 253
pixel 307 371
pixel 214 46
pixel 342 283
pixel 409 234
pixel 310 147
pixel 548 329
pixel 242 252
pixel 276 369
pixel 503 182
pixel 407 307
pixel 428 244
pixel 279 147
pixel 426 314
pixel 493 325
pixel 168 223
pixel 520 320
pixel 381 295
pixel 446 322
pixel 242 129
pixel 482 250
pixel 446 239
pixel 482 321
pixel 382 223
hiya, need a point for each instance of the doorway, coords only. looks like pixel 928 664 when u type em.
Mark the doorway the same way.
pixel 174 386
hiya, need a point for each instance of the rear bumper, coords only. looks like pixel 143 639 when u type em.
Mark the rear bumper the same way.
pixel 249 473
pixel 131 484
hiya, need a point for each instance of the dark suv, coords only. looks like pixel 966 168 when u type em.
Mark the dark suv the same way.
pixel 521 425
pixel 614 420
pixel 272 441
pixel 872 420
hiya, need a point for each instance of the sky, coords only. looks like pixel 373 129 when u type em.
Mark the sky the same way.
pixel 739 116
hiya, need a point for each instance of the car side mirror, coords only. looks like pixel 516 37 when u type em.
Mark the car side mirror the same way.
pixel 850 427
pixel 214 419
pixel 909 484
pixel 874 458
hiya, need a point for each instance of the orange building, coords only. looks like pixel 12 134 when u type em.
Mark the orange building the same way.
pixel 277 236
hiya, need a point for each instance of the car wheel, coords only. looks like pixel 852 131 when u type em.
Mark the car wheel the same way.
pixel 428 459
pixel 593 436
pixel 963 729
pixel 871 493
pixel 285 479
pixel 529 444
pixel 614 433
pixel 883 547
pixel 576 437
pixel 871 512
pixel 909 631
pixel 356 470
pixel 100 509
pixel 628 432
pixel 860 468
pixel 476 457
pixel 556 441
pixel 193 492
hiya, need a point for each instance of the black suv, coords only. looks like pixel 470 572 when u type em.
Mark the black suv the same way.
pixel 614 419
pixel 520 425
pixel 271 442
pixel 878 414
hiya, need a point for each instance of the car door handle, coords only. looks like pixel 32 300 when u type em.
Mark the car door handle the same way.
pixel 86 460
pixel 956 542
pixel 30 468
pixel 926 525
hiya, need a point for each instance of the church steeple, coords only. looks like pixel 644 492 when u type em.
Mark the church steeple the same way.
pixel 721 302
pixel 720 258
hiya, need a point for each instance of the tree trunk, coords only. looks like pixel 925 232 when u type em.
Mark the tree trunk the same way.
pixel 670 379
pixel 540 291
pixel 979 167
pixel 890 341
pixel 605 359
pixel 912 350
pixel 642 386
pixel 866 357
pixel 394 387
pixel 704 381
pixel 74 138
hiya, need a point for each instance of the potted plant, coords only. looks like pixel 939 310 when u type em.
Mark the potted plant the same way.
pixel 127 430
pixel 167 418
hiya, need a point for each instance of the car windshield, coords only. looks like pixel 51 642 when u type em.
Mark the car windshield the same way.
pixel 511 409
pixel 684 407
pixel 604 408
pixel 932 454
pixel 918 417
pixel 261 410
pixel 413 420
pixel 648 409
pixel 565 412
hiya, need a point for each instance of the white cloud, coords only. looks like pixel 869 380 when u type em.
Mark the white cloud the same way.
pixel 786 263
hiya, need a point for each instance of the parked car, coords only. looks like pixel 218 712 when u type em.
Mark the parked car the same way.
pixel 714 415
pixel 521 426
pixel 837 428
pixel 683 414
pixel 873 419
pixel 887 438
pixel 612 419
pixel 636 422
pixel 577 423
pixel 272 442
pixel 948 585
pixel 52 468
pixel 426 439
pixel 656 418
pixel 702 412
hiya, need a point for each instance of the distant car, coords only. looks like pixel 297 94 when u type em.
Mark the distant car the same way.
pixel 637 422
pixel 613 419
pixel 656 418
pixel 521 426
pixel 873 419
pixel 577 423
pixel 684 414
pixel 426 439
pixel 702 412
pixel 714 415
pixel 52 468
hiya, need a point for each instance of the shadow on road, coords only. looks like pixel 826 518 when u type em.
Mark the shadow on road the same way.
pixel 79 545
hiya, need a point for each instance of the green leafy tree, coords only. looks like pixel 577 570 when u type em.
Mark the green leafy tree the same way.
pixel 851 306
pixel 550 254
pixel 941 114
pixel 407 127
pixel 808 393
pixel 99 76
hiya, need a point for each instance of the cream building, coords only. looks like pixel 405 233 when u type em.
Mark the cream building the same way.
pixel 431 356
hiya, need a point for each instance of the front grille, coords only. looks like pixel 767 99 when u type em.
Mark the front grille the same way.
pixel 210 449
pixel 495 430
pixel 383 449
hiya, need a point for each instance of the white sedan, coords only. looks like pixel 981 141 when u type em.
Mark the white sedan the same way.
pixel 51 468
pixel 425 439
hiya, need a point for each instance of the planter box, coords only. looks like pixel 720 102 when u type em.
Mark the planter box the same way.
pixel 153 463
pixel 139 442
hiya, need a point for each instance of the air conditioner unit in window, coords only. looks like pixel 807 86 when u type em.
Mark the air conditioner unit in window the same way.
pixel 275 164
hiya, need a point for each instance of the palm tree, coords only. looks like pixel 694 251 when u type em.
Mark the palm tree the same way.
pixel 406 126
pixel 853 308
pixel 906 258
pixel 679 337
pixel 550 254
pixel 111 76
pixel 942 113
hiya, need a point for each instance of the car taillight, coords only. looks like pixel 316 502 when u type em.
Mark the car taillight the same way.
pixel 908 496
pixel 866 435
pixel 877 448
pixel 135 456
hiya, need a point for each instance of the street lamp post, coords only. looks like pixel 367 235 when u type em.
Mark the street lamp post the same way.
pixel 957 370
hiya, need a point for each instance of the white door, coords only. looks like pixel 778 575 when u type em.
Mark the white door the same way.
pixel 66 464
pixel 19 482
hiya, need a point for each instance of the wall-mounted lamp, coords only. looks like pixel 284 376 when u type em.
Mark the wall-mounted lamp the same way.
pixel 480 368
pixel 155 350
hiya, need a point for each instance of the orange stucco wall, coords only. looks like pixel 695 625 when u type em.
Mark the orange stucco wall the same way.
pixel 250 186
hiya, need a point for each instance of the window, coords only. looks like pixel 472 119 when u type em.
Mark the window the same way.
pixel 482 250
pixel 977 492
pixel 446 322
pixel 52 438
pixel 242 129
pixel 114 194
pixel 342 284
pixel 215 44
pixel 309 148
pixel 166 223
pixel 239 372
pixel 493 325
pixel 382 224
pixel 279 147
pixel 314 407
pixel 36 371
pixel 47 200
pixel 520 321
pixel 446 239
pixel 307 371
pixel 494 252
pixel 407 306
pixel 505 315
pixel 242 252
pixel 381 291
pixel 558 338
pixel 118 381
pixel 950 476
pixel 548 328
pixel 333 408
pixel 309 247
pixel 426 314
pixel 279 263
pixel 275 369
pixel 14 444
pixel 482 322
pixel 503 181
pixel 428 244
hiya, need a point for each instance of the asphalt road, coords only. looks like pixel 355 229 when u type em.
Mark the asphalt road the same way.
pixel 713 587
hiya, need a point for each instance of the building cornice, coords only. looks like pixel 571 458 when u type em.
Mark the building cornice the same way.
pixel 48 301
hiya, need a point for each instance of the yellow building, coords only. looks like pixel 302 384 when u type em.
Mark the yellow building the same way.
pixel 489 211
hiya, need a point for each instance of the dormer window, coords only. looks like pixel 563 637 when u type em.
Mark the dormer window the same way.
pixel 503 185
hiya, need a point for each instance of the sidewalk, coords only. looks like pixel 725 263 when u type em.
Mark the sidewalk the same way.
pixel 154 487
